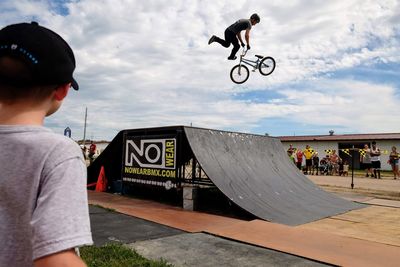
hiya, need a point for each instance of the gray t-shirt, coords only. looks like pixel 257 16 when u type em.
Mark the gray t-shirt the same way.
pixel 240 25
pixel 43 198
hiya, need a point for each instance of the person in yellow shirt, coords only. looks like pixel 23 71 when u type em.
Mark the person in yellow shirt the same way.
pixel 308 154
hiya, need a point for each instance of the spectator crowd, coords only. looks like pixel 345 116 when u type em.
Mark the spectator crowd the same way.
pixel 309 162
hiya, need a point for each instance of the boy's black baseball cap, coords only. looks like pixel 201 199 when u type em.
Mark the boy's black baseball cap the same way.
pixel 47 55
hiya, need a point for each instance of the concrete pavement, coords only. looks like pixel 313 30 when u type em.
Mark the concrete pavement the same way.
pixel 322 242
pixel 205 250
pixel 386 188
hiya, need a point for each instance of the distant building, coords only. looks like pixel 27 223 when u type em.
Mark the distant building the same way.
pixel 340 143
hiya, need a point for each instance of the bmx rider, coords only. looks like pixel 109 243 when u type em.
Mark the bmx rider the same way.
pixel 233 33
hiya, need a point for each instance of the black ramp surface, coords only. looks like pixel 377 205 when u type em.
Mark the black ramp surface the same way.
pixel 255 172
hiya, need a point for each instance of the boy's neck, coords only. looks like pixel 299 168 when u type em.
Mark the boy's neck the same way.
pixel 22 113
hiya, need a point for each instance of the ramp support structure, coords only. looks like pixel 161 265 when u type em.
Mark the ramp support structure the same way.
pixel 189 197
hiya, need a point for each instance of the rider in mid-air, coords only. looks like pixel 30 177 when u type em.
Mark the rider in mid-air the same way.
pixel 232 34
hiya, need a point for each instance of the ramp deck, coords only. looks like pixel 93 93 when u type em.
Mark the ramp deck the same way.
pixel 256 174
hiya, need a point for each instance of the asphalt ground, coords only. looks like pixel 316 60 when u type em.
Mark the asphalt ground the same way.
pixel 156 241
pixel 199 249
pixel 109 226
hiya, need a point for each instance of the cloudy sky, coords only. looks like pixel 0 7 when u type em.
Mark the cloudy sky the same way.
pixel 148 64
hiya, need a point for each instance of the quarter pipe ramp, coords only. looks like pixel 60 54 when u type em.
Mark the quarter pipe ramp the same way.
pixel 255 173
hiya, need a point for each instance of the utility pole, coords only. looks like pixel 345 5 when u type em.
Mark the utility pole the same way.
pixel 84 128
pixel 352 167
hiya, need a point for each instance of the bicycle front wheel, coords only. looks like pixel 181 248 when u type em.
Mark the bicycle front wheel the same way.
pixel 267 66
pixel 239 74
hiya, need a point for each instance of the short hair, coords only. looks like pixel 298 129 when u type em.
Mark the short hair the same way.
pixel 255 17
pixel 20 88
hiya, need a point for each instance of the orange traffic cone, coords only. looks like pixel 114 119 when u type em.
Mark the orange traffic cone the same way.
pixel 101 185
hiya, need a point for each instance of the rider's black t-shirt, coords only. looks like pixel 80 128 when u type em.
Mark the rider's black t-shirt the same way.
pixel 240 25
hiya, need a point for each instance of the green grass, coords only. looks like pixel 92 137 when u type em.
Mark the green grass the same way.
pixel 116 255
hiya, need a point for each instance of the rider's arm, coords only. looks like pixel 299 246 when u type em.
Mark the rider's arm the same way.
pixel 247 37
pixel 239 36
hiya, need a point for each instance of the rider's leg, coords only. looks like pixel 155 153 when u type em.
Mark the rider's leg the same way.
pixel 219 40
pixel 229 36
pixel 235 48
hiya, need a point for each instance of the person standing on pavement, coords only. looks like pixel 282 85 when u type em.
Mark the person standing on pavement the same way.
pixel 341 167
pixel 376 160
pixel 394 162
pixel 290 150
pixel 308 154
pixel 290 153
pixel 334 159
pixel 346 168
pixel 365 159
pixel 315 165
pixel 299 158
pixel 92 151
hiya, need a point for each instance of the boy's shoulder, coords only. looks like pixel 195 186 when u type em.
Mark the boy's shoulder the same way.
pixel 39 139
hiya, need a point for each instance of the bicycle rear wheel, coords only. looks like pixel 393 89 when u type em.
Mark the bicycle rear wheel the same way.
pixel 239 74
pixel 267 66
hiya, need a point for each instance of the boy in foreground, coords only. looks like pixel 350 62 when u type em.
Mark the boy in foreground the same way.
pixel 43 199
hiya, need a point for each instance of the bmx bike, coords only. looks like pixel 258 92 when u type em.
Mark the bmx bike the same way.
pixel 240 73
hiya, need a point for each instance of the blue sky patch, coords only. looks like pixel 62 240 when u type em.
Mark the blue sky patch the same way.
pixel 291 127
pixel 258 96
pixel 59 6
pixel 379 73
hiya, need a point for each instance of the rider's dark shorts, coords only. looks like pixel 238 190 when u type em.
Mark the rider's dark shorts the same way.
pixel 308 162
pixel 376 164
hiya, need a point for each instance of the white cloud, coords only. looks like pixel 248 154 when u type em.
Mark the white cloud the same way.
pixel 354 106
pixel 147 63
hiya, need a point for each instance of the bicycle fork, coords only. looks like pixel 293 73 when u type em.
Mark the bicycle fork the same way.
pixel 240 65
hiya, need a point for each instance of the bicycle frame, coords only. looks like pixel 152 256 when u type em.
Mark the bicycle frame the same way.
pixel 252 63
pixel 240 72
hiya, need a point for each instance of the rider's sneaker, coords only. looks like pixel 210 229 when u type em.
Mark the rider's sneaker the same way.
pixel 212 39
pixel 232 58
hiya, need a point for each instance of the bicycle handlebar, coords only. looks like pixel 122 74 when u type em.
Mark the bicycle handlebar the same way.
pixel 244 52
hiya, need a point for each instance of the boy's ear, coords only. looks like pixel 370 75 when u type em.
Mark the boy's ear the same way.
pixel 61 91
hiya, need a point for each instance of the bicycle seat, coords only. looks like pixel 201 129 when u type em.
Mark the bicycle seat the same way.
pixel 259 56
